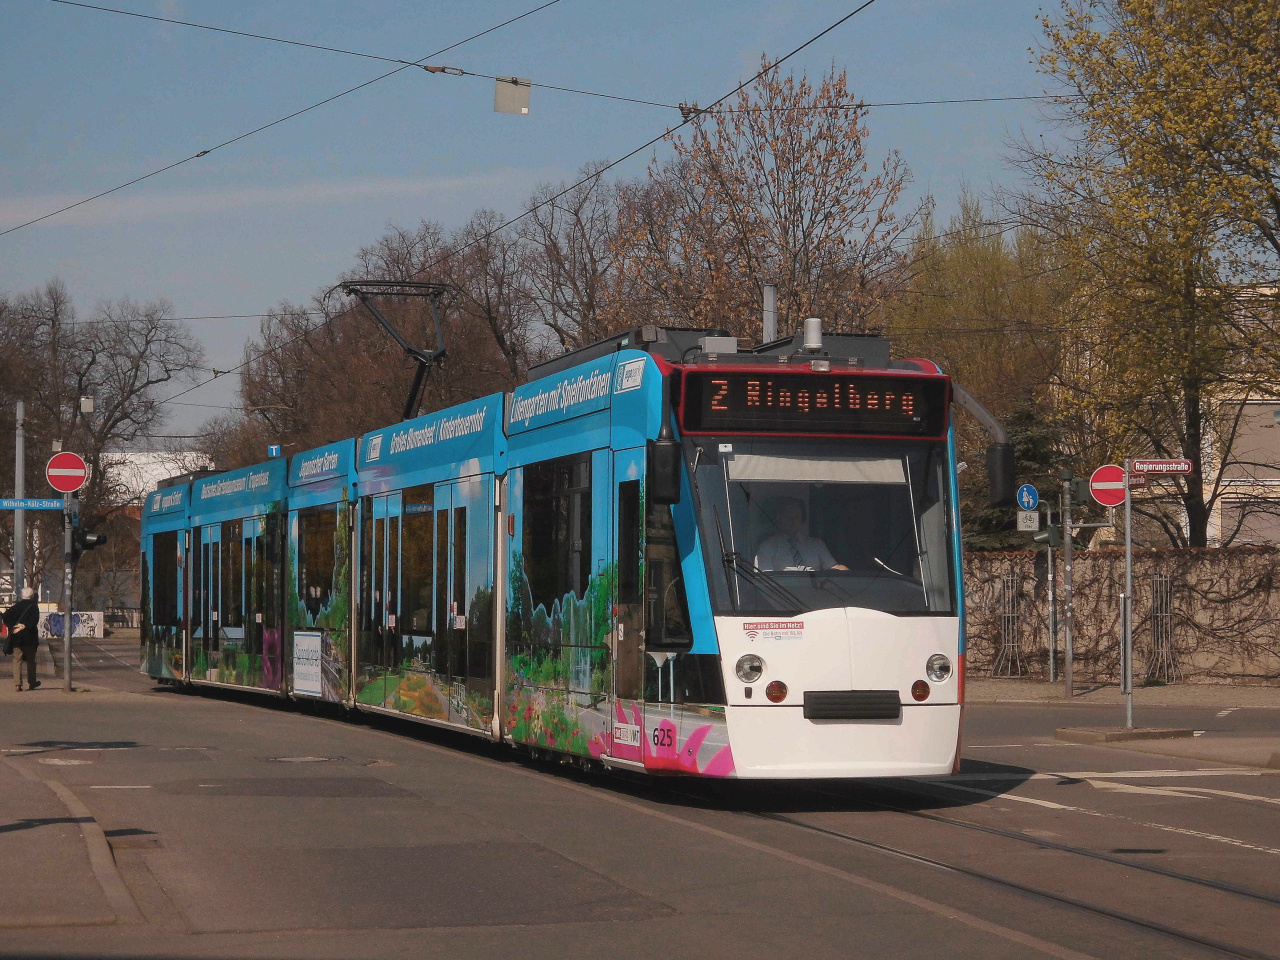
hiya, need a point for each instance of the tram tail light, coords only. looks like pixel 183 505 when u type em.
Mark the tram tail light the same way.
pixel 920 691
pixel 776 691
pixel 960 679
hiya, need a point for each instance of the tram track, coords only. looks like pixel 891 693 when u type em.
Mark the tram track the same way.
pixel 1045 844
pixel 1083 906
pixel 1038 893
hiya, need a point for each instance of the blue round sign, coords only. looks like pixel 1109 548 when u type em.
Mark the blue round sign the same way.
pixel 1028 497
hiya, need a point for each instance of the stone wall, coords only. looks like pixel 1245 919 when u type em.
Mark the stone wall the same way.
pixel 1198 614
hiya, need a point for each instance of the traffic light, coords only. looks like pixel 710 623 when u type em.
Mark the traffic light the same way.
pixel 1050 535
pixel 82 540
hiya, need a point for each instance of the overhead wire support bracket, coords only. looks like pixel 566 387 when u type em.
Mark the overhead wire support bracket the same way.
pixel 364 290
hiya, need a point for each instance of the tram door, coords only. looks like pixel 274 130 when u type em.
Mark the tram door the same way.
pixel 449 653
pixel 205 646
pixel 380 660
pixel 462 651
pixel 628 628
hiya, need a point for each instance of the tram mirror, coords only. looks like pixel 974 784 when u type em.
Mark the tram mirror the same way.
pixel 1000 474
pixel 664 471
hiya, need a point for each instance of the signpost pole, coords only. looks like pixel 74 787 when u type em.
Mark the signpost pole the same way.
pixel 1126 614
pixel 66 592
pixel 1053 605
pixel 1068 614
pixel 19 492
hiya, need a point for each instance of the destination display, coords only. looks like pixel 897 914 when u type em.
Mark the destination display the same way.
pixel 854 404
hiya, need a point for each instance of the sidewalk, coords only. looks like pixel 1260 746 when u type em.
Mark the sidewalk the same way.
pixel 1221 695
pixel 47 672
pixel 49 877
pixel 1234 749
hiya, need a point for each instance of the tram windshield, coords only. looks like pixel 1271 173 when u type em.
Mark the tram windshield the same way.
pixel 792 525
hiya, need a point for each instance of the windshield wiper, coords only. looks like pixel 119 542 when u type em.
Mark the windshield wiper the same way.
pixel 762 581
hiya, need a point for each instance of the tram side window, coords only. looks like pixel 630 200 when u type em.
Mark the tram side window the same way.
pixel 629 541
pixel 317 527
pixel 196 575
pixel 232 572
pixel 557 528
pixel 667 606
pixel 272 569
pixel 418 553
pixel 368 603
pixel 164 602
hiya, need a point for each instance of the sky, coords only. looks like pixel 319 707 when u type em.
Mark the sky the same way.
pixel 91 100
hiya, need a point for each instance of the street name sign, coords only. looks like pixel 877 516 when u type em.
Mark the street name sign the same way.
pixel 66 472
pixel 46 504
pixel 1160 467
pixel 1107 485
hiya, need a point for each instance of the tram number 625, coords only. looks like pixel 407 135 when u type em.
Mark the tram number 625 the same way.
pixel 662 737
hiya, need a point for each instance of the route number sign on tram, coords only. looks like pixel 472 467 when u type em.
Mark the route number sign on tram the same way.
pixel 1107 485
pixel 66 472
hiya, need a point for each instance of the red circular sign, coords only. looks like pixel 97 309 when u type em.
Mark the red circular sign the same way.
pixel 1107 485
pixel 66 472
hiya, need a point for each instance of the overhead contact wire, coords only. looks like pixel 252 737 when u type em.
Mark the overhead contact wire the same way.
pixel 265 126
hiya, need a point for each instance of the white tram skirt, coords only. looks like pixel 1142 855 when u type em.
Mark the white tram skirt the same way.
pixel 777 741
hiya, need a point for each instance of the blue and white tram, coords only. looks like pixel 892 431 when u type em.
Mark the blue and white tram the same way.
pixel 660 554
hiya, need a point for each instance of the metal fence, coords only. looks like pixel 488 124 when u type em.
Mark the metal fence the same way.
pixel 123 617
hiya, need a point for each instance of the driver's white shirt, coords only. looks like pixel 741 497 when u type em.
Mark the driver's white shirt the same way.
pixel 800 552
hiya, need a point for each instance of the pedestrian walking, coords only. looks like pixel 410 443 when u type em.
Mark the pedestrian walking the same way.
pixel 23 641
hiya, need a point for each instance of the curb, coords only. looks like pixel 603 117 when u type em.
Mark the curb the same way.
pixel 1119 734
pixel 101 859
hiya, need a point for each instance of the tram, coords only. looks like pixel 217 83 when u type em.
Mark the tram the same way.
pixel 662 554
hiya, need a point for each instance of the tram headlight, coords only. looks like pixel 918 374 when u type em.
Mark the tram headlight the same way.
pixel 938 667
pixel 749 668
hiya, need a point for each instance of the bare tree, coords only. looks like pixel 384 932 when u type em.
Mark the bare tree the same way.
pixel 121 356
pixel 774 189
pixel 569 238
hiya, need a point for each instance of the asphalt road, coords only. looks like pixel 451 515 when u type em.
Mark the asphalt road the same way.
pixel 142 821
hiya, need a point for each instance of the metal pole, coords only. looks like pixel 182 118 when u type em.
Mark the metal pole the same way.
pixel 66 592
pixel 1068 608
pixel 1127 604
pixel 770 313
pixel 1053 606
pixel 19 516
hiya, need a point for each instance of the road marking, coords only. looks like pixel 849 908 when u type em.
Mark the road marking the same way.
pixel 121 786
pixel 1232 841
pixel 125 663
pixel 1114 774
pixel 1133 788
pixel 62 761
pixel 991 746
pixel 1234 796
pixel 1223 713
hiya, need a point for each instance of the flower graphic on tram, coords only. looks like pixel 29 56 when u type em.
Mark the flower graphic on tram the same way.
pixel 666 751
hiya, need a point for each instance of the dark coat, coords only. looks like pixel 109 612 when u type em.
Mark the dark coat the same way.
pixel 27 613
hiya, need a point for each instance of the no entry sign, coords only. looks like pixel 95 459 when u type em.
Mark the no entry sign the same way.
pixel 66 472
pixel 1107 485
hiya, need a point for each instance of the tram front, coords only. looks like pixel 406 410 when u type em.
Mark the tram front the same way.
pixel 826 502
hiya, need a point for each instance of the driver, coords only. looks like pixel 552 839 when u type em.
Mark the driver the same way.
pixel 791 548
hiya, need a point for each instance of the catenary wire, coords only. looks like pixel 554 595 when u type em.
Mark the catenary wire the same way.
pixel 858 105
pixel 593 176
pixel 265 126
